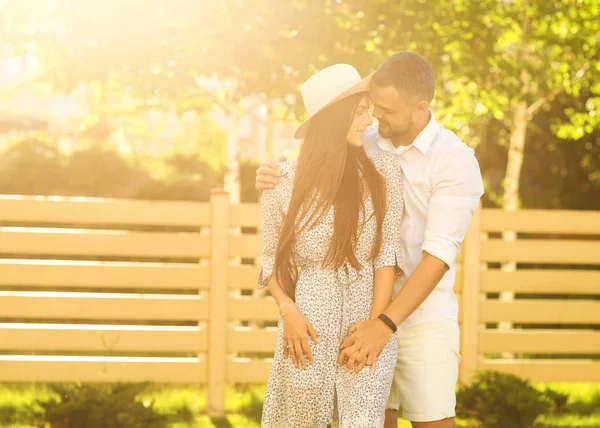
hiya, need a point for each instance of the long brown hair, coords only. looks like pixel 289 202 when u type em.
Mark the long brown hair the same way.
pixel 329 175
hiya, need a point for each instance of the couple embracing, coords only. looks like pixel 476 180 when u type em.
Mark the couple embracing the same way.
pixel 360 236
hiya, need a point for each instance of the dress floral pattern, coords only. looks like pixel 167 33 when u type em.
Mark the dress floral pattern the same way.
pixel 332 300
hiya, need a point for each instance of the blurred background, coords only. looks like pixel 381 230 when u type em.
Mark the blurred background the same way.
pixel 167 99
pixel 117 262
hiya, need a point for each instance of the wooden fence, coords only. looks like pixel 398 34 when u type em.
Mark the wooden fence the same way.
pixel 113 290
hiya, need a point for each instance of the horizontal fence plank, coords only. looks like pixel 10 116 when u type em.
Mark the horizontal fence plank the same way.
pixel 245 246
pixel 165 308
pixel 547 370
pixel 247 276
pixel 104 276
pixel 243 276
pixel 541 251
pixel 95 211
pixel 248 371
pixel 265 309
pixel 540 341
pixel 104 339
pixel 251 340
pixel 257 309
pixel 541 311
pixel 192 371
pixel 541 281
pixel 541 221
pixel 127 244
pixel 245 215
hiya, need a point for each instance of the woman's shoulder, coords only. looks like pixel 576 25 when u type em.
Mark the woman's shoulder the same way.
pixel 385 162
pixel 288 168
pixel 283 188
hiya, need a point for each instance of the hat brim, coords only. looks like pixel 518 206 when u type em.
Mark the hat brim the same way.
pixel 362 86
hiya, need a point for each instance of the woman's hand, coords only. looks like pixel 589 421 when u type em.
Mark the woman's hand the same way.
pixel 296 330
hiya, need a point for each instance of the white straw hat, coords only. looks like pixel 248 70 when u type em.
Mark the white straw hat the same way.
pixel 328 86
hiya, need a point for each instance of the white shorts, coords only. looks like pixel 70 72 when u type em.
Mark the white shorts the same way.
pixel 426 371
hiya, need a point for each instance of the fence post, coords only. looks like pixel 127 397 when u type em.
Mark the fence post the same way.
pixel 217 327
pixel 470 299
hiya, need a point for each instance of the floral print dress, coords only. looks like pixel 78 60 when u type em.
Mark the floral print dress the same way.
pixel 332 300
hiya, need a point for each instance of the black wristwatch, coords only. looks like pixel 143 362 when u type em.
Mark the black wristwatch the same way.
pixel 388 322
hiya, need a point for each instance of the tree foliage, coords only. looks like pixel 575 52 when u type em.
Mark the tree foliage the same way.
pixel 506 70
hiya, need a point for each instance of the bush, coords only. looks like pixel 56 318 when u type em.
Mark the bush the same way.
pixel 499 400
pixel 586 407
pixel 11 415
pixel 559 400
pixel 36 167
pixel 102 406
pixel 20 404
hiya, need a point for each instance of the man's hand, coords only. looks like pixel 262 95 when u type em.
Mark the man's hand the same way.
pixel 267 176
pixel 366 341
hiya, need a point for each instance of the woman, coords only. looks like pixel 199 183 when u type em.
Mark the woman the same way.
pixel 331 250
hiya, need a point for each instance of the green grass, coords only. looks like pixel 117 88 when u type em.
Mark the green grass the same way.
pixel 244 405
pixel 578 391
pixel 583 398
pixel 569 421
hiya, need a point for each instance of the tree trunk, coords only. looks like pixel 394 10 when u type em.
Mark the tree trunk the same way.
pixel 511 187
pixel 515 157
pixel 232 172
pixel 519 120
pixel 269 130
pixel 516 148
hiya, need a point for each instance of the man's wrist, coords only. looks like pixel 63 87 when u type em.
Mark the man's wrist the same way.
pixel 387 322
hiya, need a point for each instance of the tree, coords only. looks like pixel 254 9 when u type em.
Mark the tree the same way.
pixel 262 47
pixel 506 60
pixel 499 63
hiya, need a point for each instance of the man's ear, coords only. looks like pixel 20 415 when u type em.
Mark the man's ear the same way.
pixel 423 106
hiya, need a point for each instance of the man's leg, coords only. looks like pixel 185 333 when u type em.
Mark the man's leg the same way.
pixel 445 423
pixel 427 372
pixel 391 419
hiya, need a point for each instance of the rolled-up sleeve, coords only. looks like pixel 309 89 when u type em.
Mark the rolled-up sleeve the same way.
pixel 272 220
pixel 457 190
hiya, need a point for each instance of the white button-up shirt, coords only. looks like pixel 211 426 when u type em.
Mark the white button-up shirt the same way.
pixel 442 188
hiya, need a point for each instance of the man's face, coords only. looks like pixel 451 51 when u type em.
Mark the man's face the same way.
pixel 394 113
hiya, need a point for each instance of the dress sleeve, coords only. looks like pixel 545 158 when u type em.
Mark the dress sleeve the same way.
pixel 272 220
pixel 390 253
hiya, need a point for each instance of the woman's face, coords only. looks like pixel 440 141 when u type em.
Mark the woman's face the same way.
pixel 360 122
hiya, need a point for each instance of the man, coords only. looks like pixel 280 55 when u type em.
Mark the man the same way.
pixel 443 187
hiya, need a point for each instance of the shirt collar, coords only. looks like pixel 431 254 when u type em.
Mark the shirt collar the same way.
pixel 421 142
pixel 426 136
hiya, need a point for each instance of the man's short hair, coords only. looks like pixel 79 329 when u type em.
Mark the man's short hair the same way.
pixel 409 73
